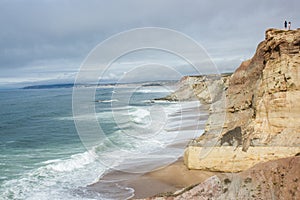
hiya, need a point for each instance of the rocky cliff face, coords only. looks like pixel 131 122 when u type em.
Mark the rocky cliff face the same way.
pixel 262 110
pixel 264 93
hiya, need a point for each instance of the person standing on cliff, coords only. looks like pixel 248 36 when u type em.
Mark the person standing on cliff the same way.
pixel 289 25
pixel 285 24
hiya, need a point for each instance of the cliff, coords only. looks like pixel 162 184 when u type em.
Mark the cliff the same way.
pixel 264 93
pixel 199 88
pixel 253 128
pixel 261 110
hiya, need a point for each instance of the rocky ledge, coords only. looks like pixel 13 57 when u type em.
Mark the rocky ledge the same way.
pixel 259 117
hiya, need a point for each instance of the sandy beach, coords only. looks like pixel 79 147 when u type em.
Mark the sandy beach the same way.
pixel 161 175
pixel 164 180
pixel 167 179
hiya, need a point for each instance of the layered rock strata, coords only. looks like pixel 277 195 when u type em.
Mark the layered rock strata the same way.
pixel 261 117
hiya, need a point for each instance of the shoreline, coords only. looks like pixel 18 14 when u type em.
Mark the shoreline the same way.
pixel 171 178
pixel 166 177
pixel 160 182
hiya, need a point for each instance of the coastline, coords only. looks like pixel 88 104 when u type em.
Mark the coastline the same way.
pixel 183 125
pixel 259 138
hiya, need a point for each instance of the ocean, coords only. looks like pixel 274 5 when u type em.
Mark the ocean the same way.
pixel 42 156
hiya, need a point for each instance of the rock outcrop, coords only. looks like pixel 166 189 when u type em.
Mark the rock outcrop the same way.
pixel 262 111
pixel 277 179
pixel 231 159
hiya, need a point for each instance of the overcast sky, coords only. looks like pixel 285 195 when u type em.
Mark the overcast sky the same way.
pixel 47 40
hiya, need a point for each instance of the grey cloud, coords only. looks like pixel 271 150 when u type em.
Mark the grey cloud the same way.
pixel 51 31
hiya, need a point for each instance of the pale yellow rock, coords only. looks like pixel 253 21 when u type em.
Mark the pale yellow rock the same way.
pixel 258 109
pixel 278 101
pixel 231 159
pixel 205 88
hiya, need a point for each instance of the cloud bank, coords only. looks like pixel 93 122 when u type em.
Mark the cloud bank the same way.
pixel 48 40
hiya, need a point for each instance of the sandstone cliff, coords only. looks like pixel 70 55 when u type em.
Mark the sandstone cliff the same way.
pixel 262 110
pixel 264 93
pixel 205 88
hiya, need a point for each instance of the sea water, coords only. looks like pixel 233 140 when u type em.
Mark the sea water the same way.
pixel 42 156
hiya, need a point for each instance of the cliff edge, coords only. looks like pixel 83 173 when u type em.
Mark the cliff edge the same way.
pixel 261 113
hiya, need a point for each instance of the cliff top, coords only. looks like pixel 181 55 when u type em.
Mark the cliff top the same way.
pixel 279 33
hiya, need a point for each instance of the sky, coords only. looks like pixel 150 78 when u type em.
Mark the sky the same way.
pixel 46 41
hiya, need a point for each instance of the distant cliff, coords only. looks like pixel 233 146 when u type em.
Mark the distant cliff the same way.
pixel 205 88
pixel 261 113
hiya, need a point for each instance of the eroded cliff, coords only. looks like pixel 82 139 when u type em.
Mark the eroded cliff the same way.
pixel 264 93
pixel 205 88
pixel 262 110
